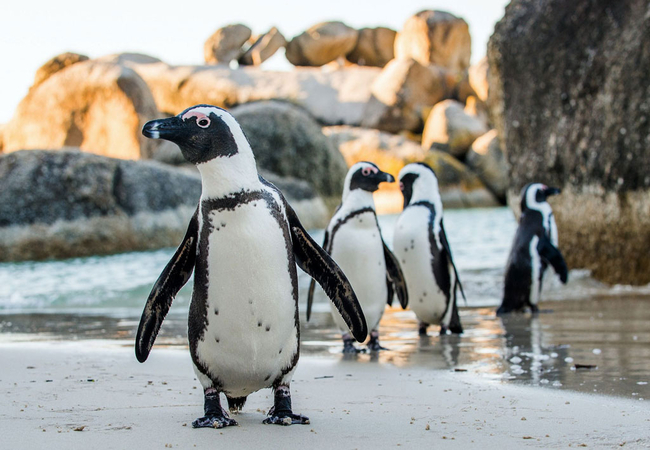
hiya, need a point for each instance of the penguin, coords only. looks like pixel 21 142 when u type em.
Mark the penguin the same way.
pixel 422 248
pixel 242 243
pixel 533 249
pixel 354 241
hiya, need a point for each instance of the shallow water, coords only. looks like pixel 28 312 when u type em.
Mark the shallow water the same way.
pixel 589 323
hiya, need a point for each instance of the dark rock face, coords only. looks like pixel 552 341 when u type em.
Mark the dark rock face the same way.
pixel 570 97
pixel 66 203
pixel 46 186
pixel 59 204
pixel 287 141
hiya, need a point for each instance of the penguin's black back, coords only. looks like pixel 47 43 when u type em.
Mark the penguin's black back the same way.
pixel 518 279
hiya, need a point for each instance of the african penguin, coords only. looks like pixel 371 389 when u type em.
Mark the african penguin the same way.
pixel 354 241
pixel 242 243
pixel 422 248
pixel 534 248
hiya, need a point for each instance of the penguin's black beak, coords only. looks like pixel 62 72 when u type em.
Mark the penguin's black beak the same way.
pixel 170 129
pixel 384 177
pixel 549 191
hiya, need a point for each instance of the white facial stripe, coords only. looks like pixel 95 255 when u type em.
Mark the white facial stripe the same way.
pixel 202 111
pixel 425 188
pixel 543 207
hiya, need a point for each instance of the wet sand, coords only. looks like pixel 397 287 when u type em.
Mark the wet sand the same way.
pixel 94 394
pixel 609 336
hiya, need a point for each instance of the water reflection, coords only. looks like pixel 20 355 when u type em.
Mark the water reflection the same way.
pixel 610 334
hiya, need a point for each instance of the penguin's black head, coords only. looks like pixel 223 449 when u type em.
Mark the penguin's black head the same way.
pixel 535 193
pixel 367 176
pixel 203 132
pixel 412 172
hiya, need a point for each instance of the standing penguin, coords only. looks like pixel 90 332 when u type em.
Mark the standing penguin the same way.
pixel 421 246
pixel 243 243
pixel 534 248
pixel 354 241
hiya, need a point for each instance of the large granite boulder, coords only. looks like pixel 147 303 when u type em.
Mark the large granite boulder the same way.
pixel 263 47
pixel 332 97
pixel 321 44
pixel 374 47
pixel 57 63
pixel 574 114
pixel 226 44
pixel 60 204
pixel 435 37
pixel 66 203
pixel 451 129
pixel 287 141
pixel 99 107
pixel 459 186
pixel 401 94
pixel 487 160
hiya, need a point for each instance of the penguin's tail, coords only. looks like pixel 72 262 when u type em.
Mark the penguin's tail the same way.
pixel 235 404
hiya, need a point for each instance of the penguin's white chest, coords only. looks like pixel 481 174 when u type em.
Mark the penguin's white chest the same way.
pixel 358 249
pixel 412 247
pixel 251 334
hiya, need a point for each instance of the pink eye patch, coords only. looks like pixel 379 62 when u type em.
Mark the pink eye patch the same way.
pixel 368 170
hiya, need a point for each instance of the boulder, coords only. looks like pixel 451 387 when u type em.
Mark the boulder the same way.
pixel 322 43
pixel 435 37
pixel 459 186
pixel 226 44
pixel 55 64
pixel 374 47
pixel 574 114
pixel 450 129
pixel 62 204
pixel 99 107
pixel 287 141
pixel 401 94
pixel 389 151
pixel 478 78
pixel 332 97
pixel 263 47
pixel 486 159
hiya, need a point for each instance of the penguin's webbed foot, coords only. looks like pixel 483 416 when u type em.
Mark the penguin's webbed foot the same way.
pixel 214 421
pixel 348 345
pixel 285 418
pixel 373 343
pixel 280 413
pixel 422 328
pixel 374 346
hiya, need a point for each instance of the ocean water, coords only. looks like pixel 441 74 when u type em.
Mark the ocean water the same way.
pixel 119 284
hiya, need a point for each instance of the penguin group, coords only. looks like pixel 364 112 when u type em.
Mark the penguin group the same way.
pixel 243 244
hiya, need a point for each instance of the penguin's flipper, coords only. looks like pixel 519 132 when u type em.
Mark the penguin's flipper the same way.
pixel 312 283
pixel 551 254
pixel 320 266
pixel 445 244
pixel 171 280
pixel 394 274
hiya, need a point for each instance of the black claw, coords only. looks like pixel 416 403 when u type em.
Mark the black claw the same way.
pixel 214 422
pixel 286 419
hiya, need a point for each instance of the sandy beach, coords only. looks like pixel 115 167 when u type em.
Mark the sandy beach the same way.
pixel 94 394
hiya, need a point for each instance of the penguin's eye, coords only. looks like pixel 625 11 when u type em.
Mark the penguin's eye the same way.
pixel 366 171
pixel 401 186
pixel 203 122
